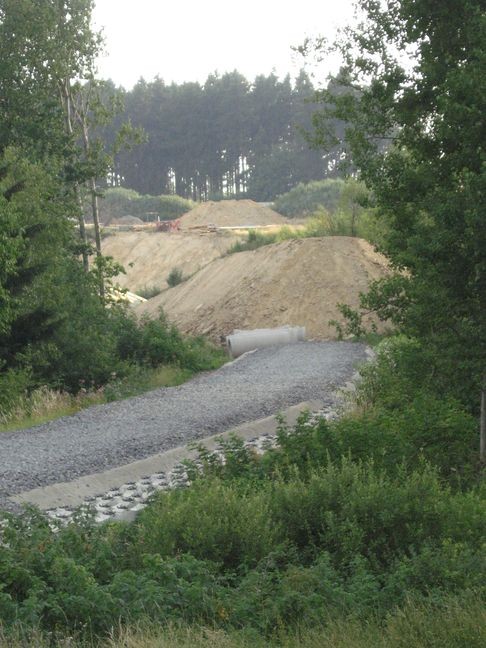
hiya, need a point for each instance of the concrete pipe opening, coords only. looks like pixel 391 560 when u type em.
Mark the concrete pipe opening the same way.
pixel 240 342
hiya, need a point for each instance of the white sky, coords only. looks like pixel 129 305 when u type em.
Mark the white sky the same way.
pixel 189 39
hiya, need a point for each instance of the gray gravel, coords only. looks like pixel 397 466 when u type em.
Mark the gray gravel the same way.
pixel 256 385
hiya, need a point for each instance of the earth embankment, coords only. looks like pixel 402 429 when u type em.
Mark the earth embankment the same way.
pixel 296 282
pixel 231 213
pixel 148 257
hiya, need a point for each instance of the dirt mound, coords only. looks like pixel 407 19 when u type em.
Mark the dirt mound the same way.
pixel 125 220
pixel 231 213
pixel 148 257
pixel 297 282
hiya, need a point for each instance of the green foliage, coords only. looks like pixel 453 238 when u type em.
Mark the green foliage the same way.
pixel 117 202
pixel 149 291
pixel 13 385
pixel 153 342
pixel 457 622
pixel 305 199
pixel 228 524
pixel 175 277
pixel 413 133
pixel 227 137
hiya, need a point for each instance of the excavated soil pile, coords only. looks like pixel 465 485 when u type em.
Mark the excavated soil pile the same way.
pixel 231 213
pixel 148 257
pixel 297 282
pixel 125 220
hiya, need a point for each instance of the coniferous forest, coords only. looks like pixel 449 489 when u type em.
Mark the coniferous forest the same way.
pixel 227 137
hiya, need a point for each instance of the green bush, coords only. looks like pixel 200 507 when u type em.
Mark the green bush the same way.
pixel 13 386
pixel 149 291
pixel 152 342
pixel 119 202
pixel 175 277
pixel 305 199
pixel 225 523
pixel 428 429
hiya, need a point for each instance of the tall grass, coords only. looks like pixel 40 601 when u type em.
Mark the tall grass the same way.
pixel 457 623
pixel 321 223
pixel 46 404
pixel 149 291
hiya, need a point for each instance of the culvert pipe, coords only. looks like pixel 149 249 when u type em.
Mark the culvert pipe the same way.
pixel 240 342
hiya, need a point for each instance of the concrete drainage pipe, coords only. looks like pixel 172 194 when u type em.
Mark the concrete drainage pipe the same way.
pixel 240 342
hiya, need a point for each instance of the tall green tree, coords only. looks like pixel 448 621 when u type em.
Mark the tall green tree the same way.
pixel 34 241
pixel 46 50
pixel 414 78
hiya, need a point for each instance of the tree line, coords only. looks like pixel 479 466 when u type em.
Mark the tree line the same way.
pixel 225 137
pixel 60 324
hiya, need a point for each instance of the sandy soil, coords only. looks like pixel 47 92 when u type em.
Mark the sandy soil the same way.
pixel 297 282
pixel 148 257
pixel 231 213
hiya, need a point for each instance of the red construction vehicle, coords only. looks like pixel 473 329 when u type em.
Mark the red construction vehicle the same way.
pixel 168 225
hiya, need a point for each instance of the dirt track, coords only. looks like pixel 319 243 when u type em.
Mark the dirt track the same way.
pixel 297 282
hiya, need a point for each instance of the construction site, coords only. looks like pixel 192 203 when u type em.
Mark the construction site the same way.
pixel 297 282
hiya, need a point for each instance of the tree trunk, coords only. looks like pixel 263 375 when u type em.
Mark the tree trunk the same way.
pixel 67 105
pixel 94 201
pixel 482 426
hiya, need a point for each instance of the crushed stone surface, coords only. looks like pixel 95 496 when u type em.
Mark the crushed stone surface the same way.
pixel 106 436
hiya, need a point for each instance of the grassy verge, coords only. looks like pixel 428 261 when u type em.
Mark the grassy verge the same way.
pixel 459 623
pixel 45 404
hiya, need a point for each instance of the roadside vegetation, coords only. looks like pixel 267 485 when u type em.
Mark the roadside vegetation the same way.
pixel 369 527
pixel 134 356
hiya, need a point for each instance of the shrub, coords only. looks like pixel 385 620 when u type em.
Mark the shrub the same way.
pixel 149 291
pixel 225 523
pixel 305 199
pixel 120 201
pixel 175 277
pixel 13 386
pixel 154 342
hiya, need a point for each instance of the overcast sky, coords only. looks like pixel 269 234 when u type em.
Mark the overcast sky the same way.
pixel 186 40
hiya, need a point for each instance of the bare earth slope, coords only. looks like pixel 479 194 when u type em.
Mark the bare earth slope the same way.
pixel 297 282
pixel 154 254
pixel 231 213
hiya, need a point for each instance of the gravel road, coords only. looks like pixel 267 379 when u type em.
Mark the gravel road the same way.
pixel 105 436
